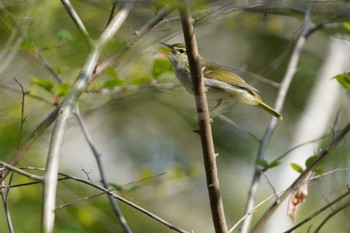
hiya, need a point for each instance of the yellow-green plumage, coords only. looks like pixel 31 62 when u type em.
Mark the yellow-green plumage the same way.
pixel 221 83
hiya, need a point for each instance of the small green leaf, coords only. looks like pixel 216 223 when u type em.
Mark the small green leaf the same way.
pixel 274 164
pixel 28 44
pixel 318 171
pixel 62 89
pixel 346 25
pixel 263 163
pixel 344 80
pixel 161 66
pixel 113 83
pixel 296 167
pixel 114 80
pixel 115 186
pixel 43 83
pixel 65 35
pixel 310 160
pixel 111 72
pixel 140 80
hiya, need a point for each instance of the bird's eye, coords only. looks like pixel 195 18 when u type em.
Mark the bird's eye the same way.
pixel 182 51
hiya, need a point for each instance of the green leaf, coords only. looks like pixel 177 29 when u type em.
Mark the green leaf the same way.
pixel 318 171
pixel 65 35
pixel 115 186
pixel 161 66
pixel 296 167
pixel 274 164
pixel 28 44
pixel 114 80
pixel 43 83
pixel 344 79
pixel 113 83
pixel 111 72
pixel 346 25
pixel 62 89
pixel 310 160
pixel 140 80
pixel 263 163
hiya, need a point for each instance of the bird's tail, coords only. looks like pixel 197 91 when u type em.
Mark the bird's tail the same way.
pixel 270 110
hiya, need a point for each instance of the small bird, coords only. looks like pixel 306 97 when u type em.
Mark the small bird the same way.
pixel 221 83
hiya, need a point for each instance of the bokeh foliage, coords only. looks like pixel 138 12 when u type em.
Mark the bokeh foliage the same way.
pixel 142 120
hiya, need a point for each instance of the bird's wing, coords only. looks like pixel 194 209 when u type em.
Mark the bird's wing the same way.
pixel 226 76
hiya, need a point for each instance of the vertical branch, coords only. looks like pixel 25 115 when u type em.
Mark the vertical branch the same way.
pixel 23 118
pixel 4 195
pixel 65 111
pixel 288 77
pixel 209 156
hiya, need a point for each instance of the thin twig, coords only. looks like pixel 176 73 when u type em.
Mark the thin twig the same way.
pixel 39 130
pixel 209 156
pixel 275 195
pixel 97 156
pixel 236 126
pixel 47 65
pixel 330 216
pixel 65 110
pixel 138 34
pixel 77 20
pixel 4 196
pixel 20 171
pixel 23 118
pixel 288 77
pixel 318 212
pixel 314 178
pixel 96 186
pixel 142 210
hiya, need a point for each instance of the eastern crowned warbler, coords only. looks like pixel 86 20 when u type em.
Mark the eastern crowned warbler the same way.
pixel 221 83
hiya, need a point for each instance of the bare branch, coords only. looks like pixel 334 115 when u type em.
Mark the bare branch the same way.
pixel 275 195
pixel 4 197
pixel 142 210
pixel 20 171
pixel 97 156
pixel 65 110
pixel 318 212
pixel 76 19
pixel 236 126
pixel 331 215
pixel 288 77
pixel 23 118
pixel 138 34
pixel 209 156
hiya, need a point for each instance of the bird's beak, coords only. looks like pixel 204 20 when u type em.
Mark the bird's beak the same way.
pixel 165 50
pixel 166 45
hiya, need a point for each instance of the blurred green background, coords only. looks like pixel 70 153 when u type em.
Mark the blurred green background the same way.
pixel 142 120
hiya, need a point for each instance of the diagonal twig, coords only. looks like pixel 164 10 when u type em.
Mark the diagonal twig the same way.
pixel 318 212
pixel 96 186
pixel 288 77
pixel 77 20
pixel 97 156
